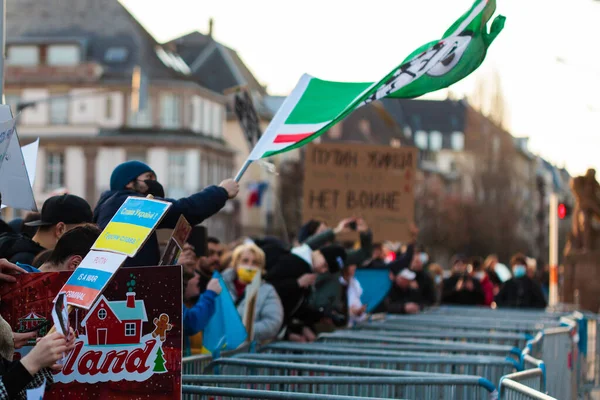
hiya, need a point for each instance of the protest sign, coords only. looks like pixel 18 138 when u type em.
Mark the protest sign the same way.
pixel 178 238
pixel 373 182
pixel 249 315
pixel 128 345
pixel 131 226
pixel 15 185
pixel 91 277
pixel 30 154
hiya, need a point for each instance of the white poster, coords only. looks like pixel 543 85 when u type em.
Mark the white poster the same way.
pixel 15 186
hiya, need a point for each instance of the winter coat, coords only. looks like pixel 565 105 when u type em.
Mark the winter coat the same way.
pixel 463 297
pixel 195 208
pixel 397 299
pixel 18 248
pixel 521 293
pixel 269 311
pixel 426 287
pixel 284 278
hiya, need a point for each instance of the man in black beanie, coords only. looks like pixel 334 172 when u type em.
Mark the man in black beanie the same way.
pixel 135 178
pixel 294 276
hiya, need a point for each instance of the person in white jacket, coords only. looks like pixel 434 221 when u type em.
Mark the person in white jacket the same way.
pixel 356 309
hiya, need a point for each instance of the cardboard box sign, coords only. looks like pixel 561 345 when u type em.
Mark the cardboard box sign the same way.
pixel 128 344
pixel 373 182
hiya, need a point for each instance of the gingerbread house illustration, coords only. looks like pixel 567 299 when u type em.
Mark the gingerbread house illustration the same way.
pixel 115 322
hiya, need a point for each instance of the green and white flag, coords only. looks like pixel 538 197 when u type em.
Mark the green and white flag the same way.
pixel 315 105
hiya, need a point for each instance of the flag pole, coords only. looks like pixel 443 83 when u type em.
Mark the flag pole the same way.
pixel 242 170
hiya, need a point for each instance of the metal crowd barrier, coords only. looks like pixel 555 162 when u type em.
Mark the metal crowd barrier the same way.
pixel 198 392
pixel 417 387
pixel 503 338
pixel 491 368
pixel 351 338
pixel 512 390
pixel 444 353
pixel 391 349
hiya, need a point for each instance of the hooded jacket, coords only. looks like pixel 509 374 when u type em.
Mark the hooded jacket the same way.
pixel 18 248
pixel 195 208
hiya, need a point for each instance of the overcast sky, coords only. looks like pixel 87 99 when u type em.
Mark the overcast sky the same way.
pixel 556 104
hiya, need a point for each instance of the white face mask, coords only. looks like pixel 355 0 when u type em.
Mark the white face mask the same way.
pixel 438 279
pixel 480 275
pixel 424 258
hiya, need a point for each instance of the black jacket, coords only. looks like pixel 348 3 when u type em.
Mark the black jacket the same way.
pixel 426 287
pixel 521 293
pixel 398 297
pixel 18 248
pixel 195 208
pixel 463 297
pixel 284 278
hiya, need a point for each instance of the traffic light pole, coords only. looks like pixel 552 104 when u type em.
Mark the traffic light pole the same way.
pixel 553 256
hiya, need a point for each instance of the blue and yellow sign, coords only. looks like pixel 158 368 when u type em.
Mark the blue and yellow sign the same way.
pixel 133 223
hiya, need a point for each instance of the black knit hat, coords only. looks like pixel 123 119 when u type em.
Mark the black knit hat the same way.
pixel 335 256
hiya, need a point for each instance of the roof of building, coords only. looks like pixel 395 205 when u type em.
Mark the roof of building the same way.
pixel 106 31
pixel 215 65
pixel 369 124
pixel 120 309
pixel 445 116
pixel 125 313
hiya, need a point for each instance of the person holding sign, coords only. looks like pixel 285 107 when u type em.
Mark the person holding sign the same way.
pixel 134 178
pixel 36 367
pixel 247 261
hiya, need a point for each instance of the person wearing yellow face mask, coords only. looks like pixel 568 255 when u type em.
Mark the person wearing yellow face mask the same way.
pixel 247 261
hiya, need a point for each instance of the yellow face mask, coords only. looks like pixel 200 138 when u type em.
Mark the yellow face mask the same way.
pixel 246 273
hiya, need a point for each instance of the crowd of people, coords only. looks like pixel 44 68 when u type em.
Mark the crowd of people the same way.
pixel 306 287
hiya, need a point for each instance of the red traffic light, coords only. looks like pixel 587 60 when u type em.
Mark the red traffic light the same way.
pixel 562 211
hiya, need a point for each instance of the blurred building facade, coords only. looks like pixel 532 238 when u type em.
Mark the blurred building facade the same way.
pixel 72 63
pixel 220 68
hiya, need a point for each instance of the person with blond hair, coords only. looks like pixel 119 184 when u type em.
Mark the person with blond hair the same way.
pixel 247 260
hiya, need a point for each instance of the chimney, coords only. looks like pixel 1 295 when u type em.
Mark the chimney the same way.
pixel 210 27
pixel 130 299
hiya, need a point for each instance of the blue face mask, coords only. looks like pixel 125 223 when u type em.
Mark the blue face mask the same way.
pixel 424 258
pixel 519 271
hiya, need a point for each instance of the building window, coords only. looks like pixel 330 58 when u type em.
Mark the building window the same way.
pixel 63 54
pixel 421 140
pixel 141 118
pixel 23 56
pixel 458 141
pixel 102 313
pixel 116 55
pixel 130 329
pixel 59 111
pixel 217 121
pixel 169 111
pixel 435 140
pixel 55 170
pixel 136 155
pixel 177 168
pixel 108 111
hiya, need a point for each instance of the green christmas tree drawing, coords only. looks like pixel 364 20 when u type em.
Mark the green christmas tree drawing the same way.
pixel 159 362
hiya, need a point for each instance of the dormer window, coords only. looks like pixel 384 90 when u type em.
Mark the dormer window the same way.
pixel 116 55
pixel 63 54
pixel 23 56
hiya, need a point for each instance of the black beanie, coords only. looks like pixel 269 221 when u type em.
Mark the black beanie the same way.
pixel 335 256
